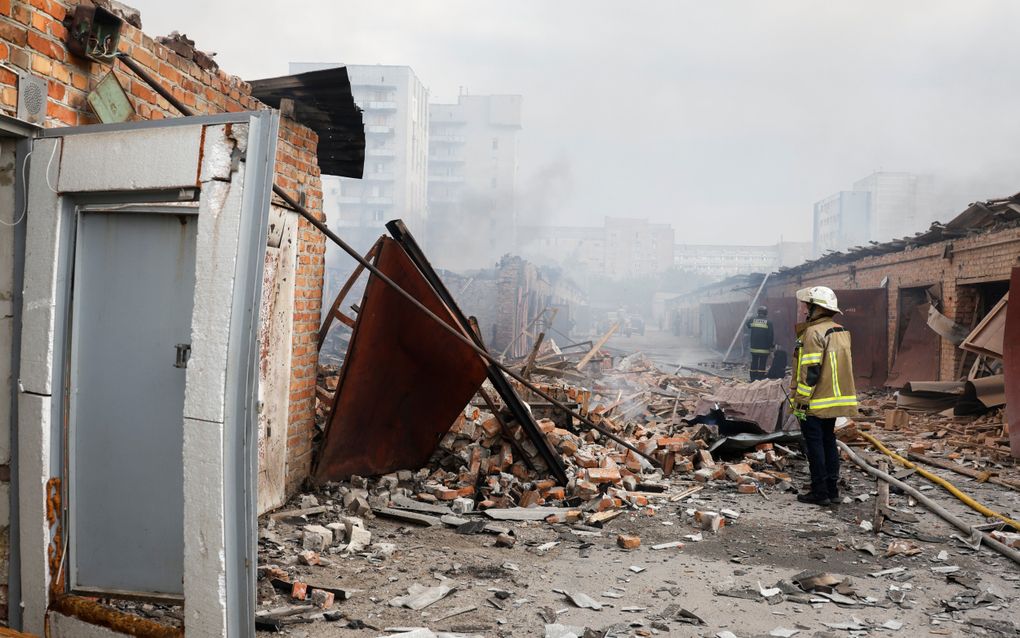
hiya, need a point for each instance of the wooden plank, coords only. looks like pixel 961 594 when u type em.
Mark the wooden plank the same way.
pixel 598 345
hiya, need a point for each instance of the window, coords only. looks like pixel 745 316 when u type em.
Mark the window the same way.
pixel 495 143
pixel 378 215
pixel 492 182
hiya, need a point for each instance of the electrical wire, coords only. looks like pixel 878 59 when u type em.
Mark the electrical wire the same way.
pixel 24 189
pixel 24 183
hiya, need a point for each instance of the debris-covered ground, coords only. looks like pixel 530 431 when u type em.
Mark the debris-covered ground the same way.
pixel 684 542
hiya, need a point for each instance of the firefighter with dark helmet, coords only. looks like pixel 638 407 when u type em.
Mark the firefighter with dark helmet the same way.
pixel 822 389
pixel 762 342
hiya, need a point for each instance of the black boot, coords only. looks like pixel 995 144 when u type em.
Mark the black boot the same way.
pixel 811 498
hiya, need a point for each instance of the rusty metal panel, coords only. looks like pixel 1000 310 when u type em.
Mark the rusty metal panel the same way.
pixel 728 319
pixel 783 315
pixel 866 316
pixel 402 383
pixel 917 358
pixel 987 338
pixel 1011 358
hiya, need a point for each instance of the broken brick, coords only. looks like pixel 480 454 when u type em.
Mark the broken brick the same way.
pixel 627 541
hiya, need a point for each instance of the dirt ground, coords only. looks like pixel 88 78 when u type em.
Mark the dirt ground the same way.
pixel 517 591
pixel 772 540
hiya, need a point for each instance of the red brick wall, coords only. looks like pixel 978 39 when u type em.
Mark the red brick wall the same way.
pixel 978 259
pixel 32 38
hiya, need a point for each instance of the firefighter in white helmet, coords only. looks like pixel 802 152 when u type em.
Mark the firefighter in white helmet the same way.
pixel 822 389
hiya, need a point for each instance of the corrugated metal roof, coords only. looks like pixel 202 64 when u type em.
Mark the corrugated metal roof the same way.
pixel 323 102
pixel 979 217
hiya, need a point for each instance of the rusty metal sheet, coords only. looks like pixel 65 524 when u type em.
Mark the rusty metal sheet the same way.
pixel 403 382
pixel 728 320
pixel 917 358
pixel 865 315
pixel 1011 360
pixel 987 337
pixel 783 315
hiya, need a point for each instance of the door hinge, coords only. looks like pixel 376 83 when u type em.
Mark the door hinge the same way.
pixel 183 354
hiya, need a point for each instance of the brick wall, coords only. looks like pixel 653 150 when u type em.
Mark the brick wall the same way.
pixel 973 260
pixel 32 38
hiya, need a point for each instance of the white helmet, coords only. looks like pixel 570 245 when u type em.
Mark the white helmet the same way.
pixel 819 296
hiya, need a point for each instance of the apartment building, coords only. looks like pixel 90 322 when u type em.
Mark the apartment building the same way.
pixel 472 179
pixel 395 105
pixel 721 261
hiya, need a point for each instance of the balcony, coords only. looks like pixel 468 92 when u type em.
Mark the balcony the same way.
pixel 379 129
pixel 447 139
pixel 446 159
pixel 450 179
pixel 379 201
pixel 443 199
pixel 385 176
pixel 382 106
pixel 350 199
pixel 381 152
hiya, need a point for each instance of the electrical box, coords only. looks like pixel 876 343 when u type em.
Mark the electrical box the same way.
pixel 93 33
pixel 110 102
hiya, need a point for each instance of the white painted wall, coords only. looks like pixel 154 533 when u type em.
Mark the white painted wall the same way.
pixel 8 175
pixel 276 321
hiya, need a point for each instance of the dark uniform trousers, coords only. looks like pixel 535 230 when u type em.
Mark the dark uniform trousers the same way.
pixel 823 456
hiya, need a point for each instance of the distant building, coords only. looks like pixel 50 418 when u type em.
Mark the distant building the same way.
pixel 621 248
pixel 882 206
pixel 721 261
pixel 472 179
pixel 841 220
pixel 394 185
pixel 582 247
pixel 637 247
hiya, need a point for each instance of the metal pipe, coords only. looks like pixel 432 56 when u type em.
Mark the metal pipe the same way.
pixel 154 84
pixel 937 509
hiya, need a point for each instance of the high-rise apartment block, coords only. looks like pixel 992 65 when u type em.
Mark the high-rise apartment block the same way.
pixel 882 206
pixel 396 115
pixel 472 179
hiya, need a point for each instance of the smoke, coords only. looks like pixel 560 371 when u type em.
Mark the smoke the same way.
pixel 545 193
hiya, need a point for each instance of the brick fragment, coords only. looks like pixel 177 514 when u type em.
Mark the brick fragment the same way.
pixel 628 541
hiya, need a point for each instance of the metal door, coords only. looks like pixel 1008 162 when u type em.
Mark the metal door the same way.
pixel 134 279
pixel 143 237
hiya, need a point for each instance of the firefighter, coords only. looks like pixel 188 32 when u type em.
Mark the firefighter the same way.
pixel 822 389
pixel 762 342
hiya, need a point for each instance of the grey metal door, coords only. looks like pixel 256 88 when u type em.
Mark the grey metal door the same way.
pixel 134 282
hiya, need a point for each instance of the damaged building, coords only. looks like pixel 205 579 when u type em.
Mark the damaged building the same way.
pixel 910 304
pixel 151 282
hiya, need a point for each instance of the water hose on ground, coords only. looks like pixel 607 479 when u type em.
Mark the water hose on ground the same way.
pixel 949 487
pixel 1002 548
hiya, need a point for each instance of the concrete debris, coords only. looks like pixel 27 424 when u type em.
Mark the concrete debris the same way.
pixel 563 631
pixel 419 597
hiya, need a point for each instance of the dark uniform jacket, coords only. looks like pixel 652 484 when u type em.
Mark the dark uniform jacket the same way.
pixel 762 338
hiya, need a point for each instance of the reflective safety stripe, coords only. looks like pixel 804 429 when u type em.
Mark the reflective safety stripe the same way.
pixel 833 402
pixel 835 374
pixel 804 390
pixel 759 351
pixel 808 359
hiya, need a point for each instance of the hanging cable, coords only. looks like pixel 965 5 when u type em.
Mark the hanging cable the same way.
pixel 24 189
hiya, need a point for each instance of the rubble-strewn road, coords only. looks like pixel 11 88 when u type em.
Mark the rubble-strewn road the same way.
pixel 664 348
pixel 770 541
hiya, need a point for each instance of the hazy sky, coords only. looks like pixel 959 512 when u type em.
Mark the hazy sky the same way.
pixel 727 119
